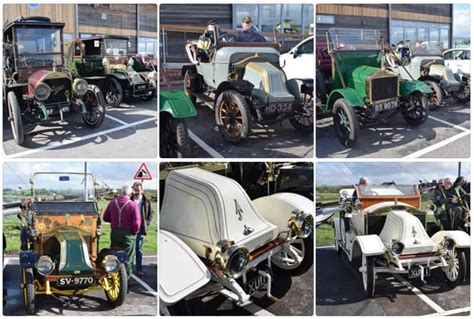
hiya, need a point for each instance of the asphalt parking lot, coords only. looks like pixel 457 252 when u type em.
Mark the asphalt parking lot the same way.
pixel 339 292
pixel 270 141
pixel 446 134
pixel 141 299
pixel 132 126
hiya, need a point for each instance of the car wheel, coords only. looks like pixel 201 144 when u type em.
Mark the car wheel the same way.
pixel 113 92
pixel 174 138
pixel 346 123
pixel 189 77
pixel 368 275
pixel 297 256
pixel 118 287
pixel 95 107
pixel 15 118
pixel 416 110
pixel 28 290
pixel 464 94
pixel 436 98
pixel 455 272
pixel 303 119
pixel 233 116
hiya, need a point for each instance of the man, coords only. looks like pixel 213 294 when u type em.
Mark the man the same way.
pixel 363 182
pixel 208 39
pixel 146 216
pixel 448 202
pixel 124 217
pixel 248 32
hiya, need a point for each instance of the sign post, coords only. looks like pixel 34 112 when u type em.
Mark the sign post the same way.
pixel 143 174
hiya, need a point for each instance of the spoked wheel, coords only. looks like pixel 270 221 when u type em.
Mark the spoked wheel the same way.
pixel 346 123
pixel 188 85
pixel 28 290
pixel 95 106
pixel 113 92
pixel 118 287
pixel 464 94
pixel 297 256
pixel 174 138
pixel 304 119
pixel 233 116
pixel 455 272
pixel 368 275
pixel 416 110
pixel 14 117
pixel 436 98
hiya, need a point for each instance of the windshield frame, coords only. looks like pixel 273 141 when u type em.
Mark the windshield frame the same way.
pixel 334 46
pixel 362 190
pixel 107 40
pixel 92 176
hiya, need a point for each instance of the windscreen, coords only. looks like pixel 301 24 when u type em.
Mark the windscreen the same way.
pixel 387 190
pixel 347 39
pixel 38 47
pixel 63 187
pixel 427 48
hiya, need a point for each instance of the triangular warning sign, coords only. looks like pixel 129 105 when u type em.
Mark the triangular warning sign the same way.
pixel 143 173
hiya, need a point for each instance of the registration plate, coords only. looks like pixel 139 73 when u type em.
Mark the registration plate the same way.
pixel 257 283
pixel 75 281
pixel 53 111
pixel 385 106
pixel 278 108
pixel 415 272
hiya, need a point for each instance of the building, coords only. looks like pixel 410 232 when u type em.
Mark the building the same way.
pixel 396 22
pixel 137 21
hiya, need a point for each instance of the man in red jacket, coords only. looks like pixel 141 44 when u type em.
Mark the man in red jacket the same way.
pixel 124 217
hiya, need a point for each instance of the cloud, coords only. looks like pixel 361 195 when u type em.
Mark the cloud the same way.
pixel 461 21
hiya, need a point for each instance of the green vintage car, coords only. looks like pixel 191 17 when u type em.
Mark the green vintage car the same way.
pixel 362 91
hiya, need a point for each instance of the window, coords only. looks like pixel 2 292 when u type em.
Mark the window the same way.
pixel 147 46
pixel 269 17
pixel 396 35
pixel 324 19
pixel 243 10
pixel 307 48
pixel 444 38
pixel 410 35
pixel 292 18
pixel 421 34
pixel 434 35
pixel 412 31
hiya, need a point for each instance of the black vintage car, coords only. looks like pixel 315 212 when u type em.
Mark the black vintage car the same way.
pixel 37 86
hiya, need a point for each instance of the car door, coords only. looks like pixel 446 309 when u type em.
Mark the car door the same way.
pixel 300 63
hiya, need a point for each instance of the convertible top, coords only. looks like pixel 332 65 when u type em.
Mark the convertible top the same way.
pixel 61 208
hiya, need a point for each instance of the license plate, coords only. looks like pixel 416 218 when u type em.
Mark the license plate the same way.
pixel 257 283
pixel 415 272
pixel 278 108
pixel 75 281
pixel 53 111
pixel 385 106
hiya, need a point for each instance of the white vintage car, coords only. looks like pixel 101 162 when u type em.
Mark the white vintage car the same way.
pixel 211 230
pixel 383 231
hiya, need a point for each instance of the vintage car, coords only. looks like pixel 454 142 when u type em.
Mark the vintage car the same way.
pixel 383 230
pixel 247 84
pixel 230 239
pixel 362 91
pixel 458 60
pixel 426 64
pixel 175 108
pixel 38 88
pixel 144 63
pixel 59 253
pixel 104 61
pixel 298 63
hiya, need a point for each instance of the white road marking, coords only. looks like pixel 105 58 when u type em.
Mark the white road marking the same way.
pixel 203 145
pixel 325 247
pixel 420 295
pixel 448 123
pixel 145 285
pixel 438 145
pixel 5 262
pixel 451 312
pixel 115 119
pixel 257 310
pixel 79 139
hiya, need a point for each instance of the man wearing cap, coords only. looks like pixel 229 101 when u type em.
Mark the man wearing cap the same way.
pixel 208 39
pixel 146 216
pixel 124 217
pixel 248 32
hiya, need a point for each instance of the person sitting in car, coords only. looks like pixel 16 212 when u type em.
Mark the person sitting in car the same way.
pixel 363 183
pixel 450 205
pixel 249 32
pixel 208 39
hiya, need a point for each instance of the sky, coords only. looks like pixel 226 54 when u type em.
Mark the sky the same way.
pixel 114 174
pixel 461 21
pixel 401 173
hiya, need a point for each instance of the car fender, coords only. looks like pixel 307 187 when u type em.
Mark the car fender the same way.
pixel 177 104
pixel 409 87
pixel 370 245
pixel 349 94
pixel 242 86
pixel 181 272
pixel 461 239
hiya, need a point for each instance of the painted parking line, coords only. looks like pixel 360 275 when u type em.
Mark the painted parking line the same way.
pixel 74 140
pixel 436 146
pixel 196 139
pixel 448 123
pixel 5 262
pixel 115 119
pixel 257 310
pixel 325 247
pixel 451 312
pixel 150 290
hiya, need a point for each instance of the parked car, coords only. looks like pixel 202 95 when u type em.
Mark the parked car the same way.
pixel 247 84
pixel 458 60
pixel 59 253
pixel 298 63
pixel 38 88
pixel 384 231
pixel 237 243
pixel 144 63
pixel 104 61
pixel 361 90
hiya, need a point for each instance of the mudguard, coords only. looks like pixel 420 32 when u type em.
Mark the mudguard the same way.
pixel 277 208
pixel 177 104
pixel 181 272
pixel 462 239
pixel 28 258
pixel 370 245
pixel 350 95
pixel 408 87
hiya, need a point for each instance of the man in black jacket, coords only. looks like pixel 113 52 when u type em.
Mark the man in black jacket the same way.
pixel 146 213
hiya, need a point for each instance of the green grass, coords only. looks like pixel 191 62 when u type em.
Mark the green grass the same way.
pixel 11 229
pixel 328 197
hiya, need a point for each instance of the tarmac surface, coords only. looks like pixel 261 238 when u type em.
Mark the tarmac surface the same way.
pixel 446 134
pixel 141 299
pixel 128 131
pixel 339 292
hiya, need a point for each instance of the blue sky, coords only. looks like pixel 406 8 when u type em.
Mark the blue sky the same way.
pixel 461 20
pixel 114 174
pixel 401 173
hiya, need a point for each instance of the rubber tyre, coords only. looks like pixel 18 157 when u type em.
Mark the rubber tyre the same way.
pixel 28 291
pixel 123 281
pixel 95 106
pixel 423 107
pixel 307 103
pixel 118 92
pixel 174 138
pixel 17 123
pixel 233 97
pixel 466 83
pixel 370 289
pixel 342 108
pixel 438 93
pixel 461 256
pixel 189 84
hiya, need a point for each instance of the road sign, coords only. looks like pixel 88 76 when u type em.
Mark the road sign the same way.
pixel 143 173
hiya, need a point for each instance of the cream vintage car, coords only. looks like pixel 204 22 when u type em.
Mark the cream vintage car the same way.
pixel 211 230
pixel 383 230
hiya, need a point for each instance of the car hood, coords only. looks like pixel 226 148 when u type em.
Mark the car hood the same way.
pixel 42 76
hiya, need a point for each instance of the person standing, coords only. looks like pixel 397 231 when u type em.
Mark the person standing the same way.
pixel 146 216
pixel 124 217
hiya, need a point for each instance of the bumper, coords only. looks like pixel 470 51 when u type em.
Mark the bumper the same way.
pixel 402 265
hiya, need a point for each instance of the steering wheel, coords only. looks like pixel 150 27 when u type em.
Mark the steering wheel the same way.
pixel 228 37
